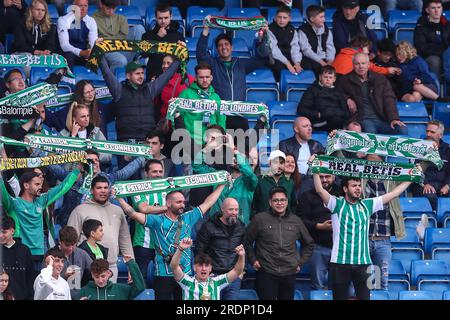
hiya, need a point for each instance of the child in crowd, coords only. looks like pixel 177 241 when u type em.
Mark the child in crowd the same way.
pixel 93 230
pixel 418 82
pixel 284 43
pixel 386 58
pixel 103 289
pixel 49 285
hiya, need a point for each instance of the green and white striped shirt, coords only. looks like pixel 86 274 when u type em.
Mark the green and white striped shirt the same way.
pixel 196 290
pixel 142 235
pixel 351 229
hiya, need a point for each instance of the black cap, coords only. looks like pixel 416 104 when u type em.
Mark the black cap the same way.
pixel 349 3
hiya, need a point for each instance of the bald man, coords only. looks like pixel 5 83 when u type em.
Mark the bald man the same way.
pixel 370 98
pixel 301 146
pixel 218 237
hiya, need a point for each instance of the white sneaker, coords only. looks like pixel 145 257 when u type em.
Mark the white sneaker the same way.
pixel 421 226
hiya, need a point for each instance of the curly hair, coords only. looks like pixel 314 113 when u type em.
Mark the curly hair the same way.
pixel 407 49
pixel 45 23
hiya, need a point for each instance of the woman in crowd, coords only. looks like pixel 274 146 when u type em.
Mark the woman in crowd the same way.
pixel 5 293
pixel 291 172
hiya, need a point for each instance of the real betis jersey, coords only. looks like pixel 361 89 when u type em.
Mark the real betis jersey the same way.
pixel 351 229
pixel 142 235
pixel 196 290
pixel 164 231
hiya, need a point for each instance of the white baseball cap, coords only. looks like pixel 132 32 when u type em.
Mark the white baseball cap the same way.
pixel 277 154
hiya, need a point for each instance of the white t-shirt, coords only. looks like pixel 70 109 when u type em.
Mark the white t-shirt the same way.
pixel 303 156
pixel 82 134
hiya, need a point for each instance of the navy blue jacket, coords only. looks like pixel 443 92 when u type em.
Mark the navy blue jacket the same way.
pixel 229 87
pixel 439 177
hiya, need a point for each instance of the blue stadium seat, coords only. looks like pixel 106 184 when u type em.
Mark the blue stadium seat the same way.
pixel 122 270
pixel 411 112
pixel 443 211
pixel 191 44
pixel 397 271
pixel 436 238
pixel 379 295
pixel 9 39
pixel 321 136
pixel 446 295
pixel 296 16
pixel 40 74
pixel 53 13
pixel 416 295
pixel 83 73
pixel 295 82
pixel 142 5
pixel 132 14
pixel 282 110
pixel 233 4
pixel 307 3
pixel 150 18
pixel 261 86
pixel 395 286
pixel 284 128
pixel 213 33
pixel 416 130
pixel 435 286
pixel 195 16
pixel 240 49
pixel 441 111
pixel 426 270
pixel 402 23
pixel 192 63
pixel 248 35
pixel 413 208
pixel 147 294
pixel 411 240
pixel 247 294
pixel 298 295
pixel 120 74
pixel 321 295
pixel 329 17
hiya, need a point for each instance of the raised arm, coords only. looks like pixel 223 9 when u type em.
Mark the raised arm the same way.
pixel 234 273
pixel 114 86
pixel 149 209
pixel 129 211
pixel 178 273
pixel 324 195
pixel 395 192
pixel 211 199
pixel 157 85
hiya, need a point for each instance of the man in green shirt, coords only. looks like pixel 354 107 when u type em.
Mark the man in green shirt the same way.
pixel 27 209
pixel 350 216
pixel 202 286
pixel 150 203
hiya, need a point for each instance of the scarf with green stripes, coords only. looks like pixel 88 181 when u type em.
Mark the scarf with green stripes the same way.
pixel 31 96
pixel 384 146
pixel 363 169
pixel 254 23
pixel 133 188
pixel 101 94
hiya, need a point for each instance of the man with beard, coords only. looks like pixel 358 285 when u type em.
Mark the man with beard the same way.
pixel 317 219
pixel 275 178
pixel 168 229
pixel 218 237
pixel 437 182
pixel 350 216
pixel 27 210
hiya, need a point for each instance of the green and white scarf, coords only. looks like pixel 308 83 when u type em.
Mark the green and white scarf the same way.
pixel 246 109
pixel 22 163
pixel 31 96
pixel 384 146
pixel 54 61
pixel 101 94
pixel 363 169
pixel 140 47
pixel 87 181
pixel 254 23
pixel 133 188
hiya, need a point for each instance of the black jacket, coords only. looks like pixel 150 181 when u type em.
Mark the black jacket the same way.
pixel 25 41
pixel 16 261
pixel 312 211
pixel 219 241
pixel 10 15
pixel 329 102
pixel 292 146
pixel 85 247
pixel 275 239
pixel 427 35
pixel 439 177
pixel 154 65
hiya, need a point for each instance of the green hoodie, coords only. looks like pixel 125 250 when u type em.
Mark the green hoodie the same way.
pixel 116 291
pixel 195 92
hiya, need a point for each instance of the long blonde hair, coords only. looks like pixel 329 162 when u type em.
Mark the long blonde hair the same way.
pixel 74 108
pixel 45 24
pixel 407 49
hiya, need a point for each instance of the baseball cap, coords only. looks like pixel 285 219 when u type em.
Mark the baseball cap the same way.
pixel 349 3
pixel 277 154
pixel 133 65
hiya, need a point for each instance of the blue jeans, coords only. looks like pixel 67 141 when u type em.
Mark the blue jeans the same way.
pixel 120 59
pixel 231 291
pixel 319 263
pixel 380 253
pixel 382 127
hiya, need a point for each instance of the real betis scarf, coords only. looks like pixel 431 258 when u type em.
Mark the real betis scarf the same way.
pixel 363 169
pixel 101 94
pixel 54 61
pixel 31 96
pixel 12 112
pixel 22 163
pixel 384 146
pixel 140 47
pixel 64 144
pixel 133 188
pixel 247 109
pixel 254 23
